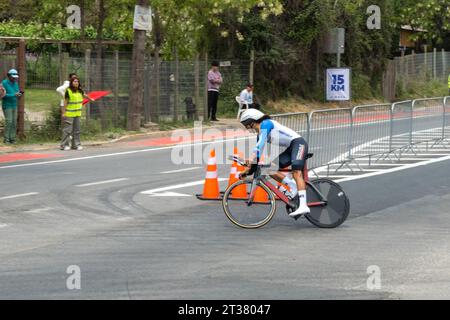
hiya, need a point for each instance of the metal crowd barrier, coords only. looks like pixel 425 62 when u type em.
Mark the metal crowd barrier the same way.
pixel 329 136
pixel 339 137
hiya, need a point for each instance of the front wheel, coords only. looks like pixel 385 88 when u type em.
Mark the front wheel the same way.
pixel 235 204
pixel 336 209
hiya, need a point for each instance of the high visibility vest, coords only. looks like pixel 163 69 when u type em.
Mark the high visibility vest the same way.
pixel 449 81
pixel 75 104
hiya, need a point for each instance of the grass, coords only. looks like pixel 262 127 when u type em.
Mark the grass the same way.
pixel 417 90
pixel 38 100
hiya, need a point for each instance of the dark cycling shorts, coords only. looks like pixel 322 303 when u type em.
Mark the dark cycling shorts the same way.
pixel 294 155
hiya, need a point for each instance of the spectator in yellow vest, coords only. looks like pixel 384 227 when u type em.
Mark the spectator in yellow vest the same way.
pixel 449 84
pixel 71 113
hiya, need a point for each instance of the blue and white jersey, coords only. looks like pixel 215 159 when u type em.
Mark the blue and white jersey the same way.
pixel 274 133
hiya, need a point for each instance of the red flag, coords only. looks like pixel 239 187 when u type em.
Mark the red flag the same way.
pixel 95 95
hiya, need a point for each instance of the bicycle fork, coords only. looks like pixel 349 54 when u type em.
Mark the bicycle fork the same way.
pixel 252 192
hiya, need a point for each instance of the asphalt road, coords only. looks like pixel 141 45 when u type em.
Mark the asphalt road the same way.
pixel 87 210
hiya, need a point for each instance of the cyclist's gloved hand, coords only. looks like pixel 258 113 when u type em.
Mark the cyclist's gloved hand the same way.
pixel 248 171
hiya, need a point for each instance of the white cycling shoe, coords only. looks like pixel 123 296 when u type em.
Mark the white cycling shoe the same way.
pixel 302 210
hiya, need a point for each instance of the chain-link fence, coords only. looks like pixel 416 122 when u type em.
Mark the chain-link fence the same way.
pixel 173 90
pixel 423 66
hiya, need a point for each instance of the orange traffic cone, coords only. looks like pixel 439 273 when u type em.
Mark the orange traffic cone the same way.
pixel 211 186
pixel 240 192
pixel 261 195
pixel 233 178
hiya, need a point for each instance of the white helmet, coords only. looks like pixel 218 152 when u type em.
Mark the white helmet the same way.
pixel 251 115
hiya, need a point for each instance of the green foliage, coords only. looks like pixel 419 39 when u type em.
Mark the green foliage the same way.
pixel 433 16
pixel 420 89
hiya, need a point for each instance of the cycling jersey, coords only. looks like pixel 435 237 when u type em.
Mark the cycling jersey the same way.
pixel 274 133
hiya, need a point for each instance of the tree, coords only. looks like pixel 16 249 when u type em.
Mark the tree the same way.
pixel 136 96
pixel 433 16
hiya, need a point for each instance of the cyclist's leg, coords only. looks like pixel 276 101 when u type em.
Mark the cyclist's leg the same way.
pixel 299 152
pixel 298 158
pixel 284 161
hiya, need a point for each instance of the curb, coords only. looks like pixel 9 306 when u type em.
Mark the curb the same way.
pixel 126 138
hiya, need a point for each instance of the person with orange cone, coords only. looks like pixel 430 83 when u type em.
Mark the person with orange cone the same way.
pixel 211 185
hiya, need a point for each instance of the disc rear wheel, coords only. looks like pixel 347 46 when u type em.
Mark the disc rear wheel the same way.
pixel 336 209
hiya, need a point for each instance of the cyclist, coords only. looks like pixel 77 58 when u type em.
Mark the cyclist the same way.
pixel 294 155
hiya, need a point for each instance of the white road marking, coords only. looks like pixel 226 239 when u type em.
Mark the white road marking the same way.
pixel 374 164
pixel 434 154
pixel 19 195
pixel 404 167
pixel 3 225
pixel 39 210
pixel 356 170
pixel 178 186
pixel 124 153
pixel 170 194
pixel 124 218
pixel 182 170
pixel 101 182
pixel 333 176
pixel 413 159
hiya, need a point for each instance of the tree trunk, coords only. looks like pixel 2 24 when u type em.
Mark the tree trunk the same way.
pixel 136 97
pixel 83 19
pixel 99 59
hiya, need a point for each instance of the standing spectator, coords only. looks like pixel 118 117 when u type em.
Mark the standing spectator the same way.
pixel 214 82
pixel 2 91
pixel 246 97
pixel 9 105
pixel 71 113
pixel 62 89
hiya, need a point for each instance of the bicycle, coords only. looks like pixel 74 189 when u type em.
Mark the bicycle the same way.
pixel 327 201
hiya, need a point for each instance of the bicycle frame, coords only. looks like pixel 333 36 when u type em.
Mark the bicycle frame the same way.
pixel 258 177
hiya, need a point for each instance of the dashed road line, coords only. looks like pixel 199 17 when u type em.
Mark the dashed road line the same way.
pixel 182 170
pixel 101 182
pixel 19 195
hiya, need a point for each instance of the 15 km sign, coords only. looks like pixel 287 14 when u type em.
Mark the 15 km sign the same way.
pixel 338 84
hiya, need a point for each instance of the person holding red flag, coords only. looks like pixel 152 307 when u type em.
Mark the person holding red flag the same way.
pixel 71 113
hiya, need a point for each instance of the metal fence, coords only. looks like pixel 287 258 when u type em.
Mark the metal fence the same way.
pixel 173 90
pixel 373 133
pixel 430 65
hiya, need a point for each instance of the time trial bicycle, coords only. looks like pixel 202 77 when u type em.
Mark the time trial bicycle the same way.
pixel 328 203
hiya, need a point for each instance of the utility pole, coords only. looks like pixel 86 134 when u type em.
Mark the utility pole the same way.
pixel 136 97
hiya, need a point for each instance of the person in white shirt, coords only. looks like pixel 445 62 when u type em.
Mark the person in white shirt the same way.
pixel 62 89
pixel 246 97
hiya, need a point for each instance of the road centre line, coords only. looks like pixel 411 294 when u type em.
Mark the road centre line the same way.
pixel 182 170
pixel 101 182
pixel 19 195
